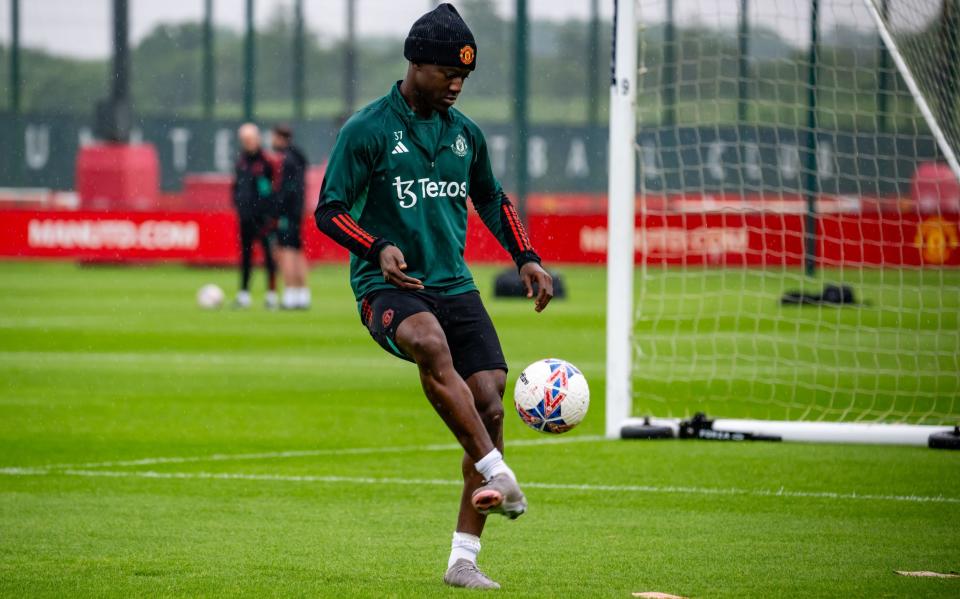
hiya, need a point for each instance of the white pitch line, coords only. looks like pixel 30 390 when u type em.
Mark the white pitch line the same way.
pixel 274 455
pixel 362 480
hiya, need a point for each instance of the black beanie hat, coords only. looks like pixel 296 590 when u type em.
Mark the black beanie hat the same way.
pixel 441 37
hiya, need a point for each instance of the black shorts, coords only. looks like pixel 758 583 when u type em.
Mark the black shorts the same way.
pixel 288 231
pixel 473 341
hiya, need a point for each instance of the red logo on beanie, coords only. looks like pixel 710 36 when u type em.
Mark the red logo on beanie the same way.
pixel 466 55
pixel 387 318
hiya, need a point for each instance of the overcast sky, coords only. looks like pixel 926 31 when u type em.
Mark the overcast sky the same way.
pixel 82 27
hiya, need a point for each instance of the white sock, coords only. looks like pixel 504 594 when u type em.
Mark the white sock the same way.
pixel 465 546
pixel 492 464
pixel 304 298
pixel 271 297
pixel 289 297
pixel 243 297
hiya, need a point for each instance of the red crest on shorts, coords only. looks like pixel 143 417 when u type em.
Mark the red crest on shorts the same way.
pixel 387 317
pixel 366 312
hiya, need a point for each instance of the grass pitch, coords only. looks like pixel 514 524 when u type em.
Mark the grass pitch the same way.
pixel 719 341
pixel 149 448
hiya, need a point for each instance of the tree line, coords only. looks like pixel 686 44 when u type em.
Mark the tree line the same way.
pixel 167 72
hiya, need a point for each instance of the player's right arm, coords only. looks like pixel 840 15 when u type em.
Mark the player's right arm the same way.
pixel 345 181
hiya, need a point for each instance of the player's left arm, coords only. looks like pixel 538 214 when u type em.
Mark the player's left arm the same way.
pixel 501 218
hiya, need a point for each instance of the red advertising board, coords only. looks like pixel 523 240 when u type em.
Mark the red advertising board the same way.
pixel 733 239
pixel 759 239
pixel 197 237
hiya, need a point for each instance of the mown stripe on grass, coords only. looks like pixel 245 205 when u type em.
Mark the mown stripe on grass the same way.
pixel 589 488
pixel 301 453
pixel 202 360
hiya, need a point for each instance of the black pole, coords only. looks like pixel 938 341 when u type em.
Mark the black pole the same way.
pixel 15 56
pixel 668 95
pixel 743 65
pixel 120 91
pixel 594 72
pixel 298 62
pixel 883 74
pixel 520 106
pixel 117 117
pixel 249 65
pixel 209 83
pixel 811 177
pixel 350 60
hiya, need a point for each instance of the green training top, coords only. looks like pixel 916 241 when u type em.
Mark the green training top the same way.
pixel 406 179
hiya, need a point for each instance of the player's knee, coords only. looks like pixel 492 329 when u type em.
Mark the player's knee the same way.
pixel 491 412
pixel 429 348
pixel 489 386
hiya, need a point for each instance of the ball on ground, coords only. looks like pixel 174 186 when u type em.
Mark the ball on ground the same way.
pixel 210 297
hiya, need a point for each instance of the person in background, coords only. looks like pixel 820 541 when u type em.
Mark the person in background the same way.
pixel 293 263
pixel 255 186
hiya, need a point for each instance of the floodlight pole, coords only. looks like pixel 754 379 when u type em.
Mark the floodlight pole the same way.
pixel 209 85
pixel 121 52
pixel 883 76
pixel 593 71
pixel 349 60
pixel 299 68
pixel 520 106
pixel 621 217
pixel 114 118
pixel 743 65
pixel 249 64
pixel 668 93
pixel 15 56
pixel 811 180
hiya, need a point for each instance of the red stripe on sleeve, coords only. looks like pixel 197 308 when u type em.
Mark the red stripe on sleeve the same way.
pixel 346 229
pixel 523 230
pixel 518 234
pixel 348 220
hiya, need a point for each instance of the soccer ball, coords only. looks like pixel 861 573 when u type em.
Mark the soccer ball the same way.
pixel 551 396
pixel 210 297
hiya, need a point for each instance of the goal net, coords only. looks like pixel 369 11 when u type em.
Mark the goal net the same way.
pixel 796 255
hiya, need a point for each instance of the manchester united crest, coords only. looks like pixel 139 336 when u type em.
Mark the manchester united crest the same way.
pixel 460 146
pixel 937 238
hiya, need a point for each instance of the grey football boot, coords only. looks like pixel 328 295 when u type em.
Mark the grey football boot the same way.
pixel 500 495
pixel 466 574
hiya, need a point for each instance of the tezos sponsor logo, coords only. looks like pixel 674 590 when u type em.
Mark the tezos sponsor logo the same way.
pixel 407 190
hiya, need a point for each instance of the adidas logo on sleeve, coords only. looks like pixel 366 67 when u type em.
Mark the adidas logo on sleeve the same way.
pixel 400 148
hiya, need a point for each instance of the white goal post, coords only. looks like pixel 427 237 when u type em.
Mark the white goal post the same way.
pixel 622 347
pixel 620 218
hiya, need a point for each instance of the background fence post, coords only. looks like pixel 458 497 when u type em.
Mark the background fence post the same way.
pixel 209 75
pixel 811 182
pixel 520 105
pixel 249 65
